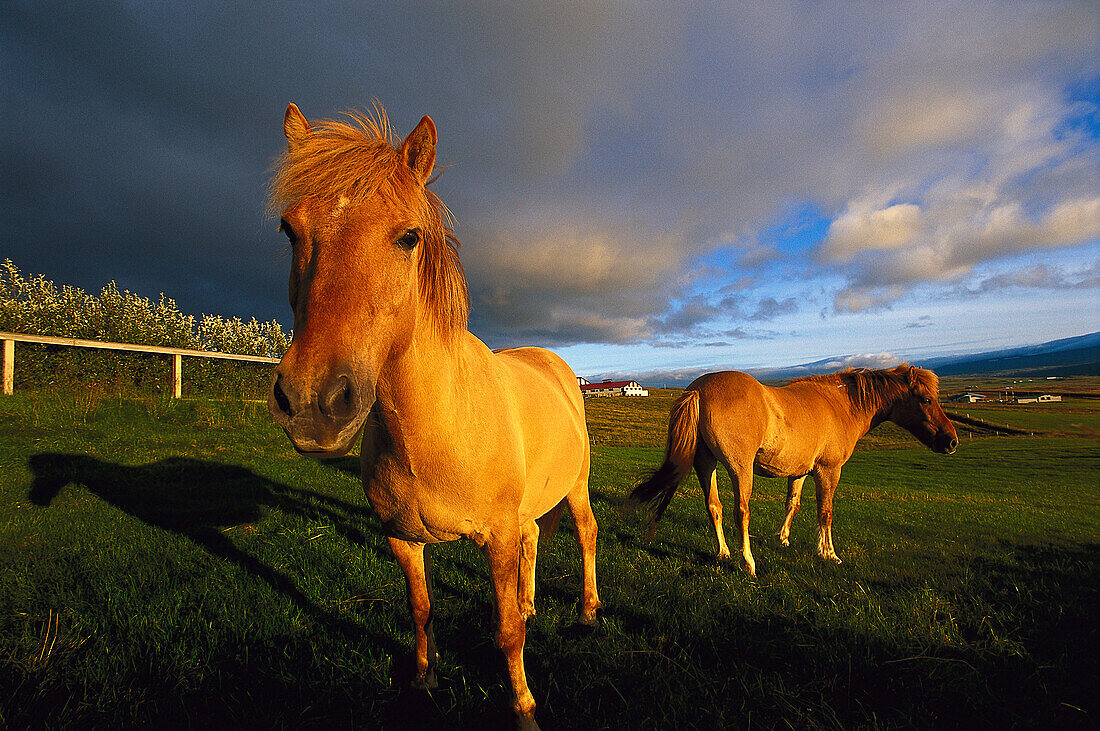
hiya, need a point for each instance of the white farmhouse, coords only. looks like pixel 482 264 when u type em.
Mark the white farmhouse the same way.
pixel 612 388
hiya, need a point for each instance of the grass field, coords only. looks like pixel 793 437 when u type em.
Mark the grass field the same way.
pixel 176 565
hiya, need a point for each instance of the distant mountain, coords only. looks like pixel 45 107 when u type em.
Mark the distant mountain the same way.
pixel 1078 356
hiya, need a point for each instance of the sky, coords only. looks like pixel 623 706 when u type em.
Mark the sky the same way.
pixel 652 190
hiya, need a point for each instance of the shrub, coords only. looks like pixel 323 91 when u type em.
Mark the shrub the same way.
pixel 32 304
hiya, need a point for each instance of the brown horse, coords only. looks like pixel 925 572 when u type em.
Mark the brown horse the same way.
pixel 457 441
pixel 808 427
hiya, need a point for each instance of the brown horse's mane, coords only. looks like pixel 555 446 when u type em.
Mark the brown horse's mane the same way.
pixel 871 389
pixel 356 160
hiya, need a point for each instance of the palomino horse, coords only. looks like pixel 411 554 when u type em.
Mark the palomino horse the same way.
pixel 457 441
pixel 808 427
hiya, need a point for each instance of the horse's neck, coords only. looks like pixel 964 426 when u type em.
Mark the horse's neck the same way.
pixel 881 411
pixel 426 380
pixel 868 416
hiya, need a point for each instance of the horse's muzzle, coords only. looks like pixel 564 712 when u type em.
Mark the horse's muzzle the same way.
pixel 946 443
pixel 320 424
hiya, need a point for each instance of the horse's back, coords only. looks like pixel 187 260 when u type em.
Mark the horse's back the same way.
pixel 726 386
pixel 783 430
pixel 729 392
pixel 739 417
pixel 540 372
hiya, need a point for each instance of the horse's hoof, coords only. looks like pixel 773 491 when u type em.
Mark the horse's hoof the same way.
pixel 723 555
pixel 526 724
pixel 783 541
pixel 527 613
pixel 427 681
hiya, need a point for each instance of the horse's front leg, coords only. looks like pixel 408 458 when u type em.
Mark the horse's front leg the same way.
pixel 414 561
pixel 794 502
pixel 826 481
pixel 502 549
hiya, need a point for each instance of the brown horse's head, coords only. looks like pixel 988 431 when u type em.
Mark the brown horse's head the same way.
pixel 372 260
pixel 916 409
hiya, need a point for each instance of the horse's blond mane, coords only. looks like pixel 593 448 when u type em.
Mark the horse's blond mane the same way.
pixel 356 160
pixel 871 389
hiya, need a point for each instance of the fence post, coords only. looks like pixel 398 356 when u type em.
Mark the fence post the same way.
pixel 176 376
pixel 7 365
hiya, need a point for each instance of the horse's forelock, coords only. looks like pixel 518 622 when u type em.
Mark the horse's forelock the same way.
pixel 338 159
pixel 926 382
pixel 356 160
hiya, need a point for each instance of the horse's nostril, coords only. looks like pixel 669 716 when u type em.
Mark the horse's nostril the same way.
pixel 280 397
pixel 338 400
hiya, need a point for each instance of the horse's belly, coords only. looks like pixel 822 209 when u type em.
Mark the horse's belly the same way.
pixel 767 470
pixel 411 525
pixel 780 465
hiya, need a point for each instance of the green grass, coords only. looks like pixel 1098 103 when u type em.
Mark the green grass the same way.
pixel 1070 416
pixel 177 565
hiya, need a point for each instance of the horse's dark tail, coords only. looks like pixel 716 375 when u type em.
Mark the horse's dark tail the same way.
pixel 683 432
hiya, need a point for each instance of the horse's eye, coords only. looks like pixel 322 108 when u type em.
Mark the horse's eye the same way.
pixel 286 229
pixel 409 239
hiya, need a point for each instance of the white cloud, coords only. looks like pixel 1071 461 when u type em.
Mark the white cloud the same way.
pixel 861 228
pixel 959 233
pixel 862 299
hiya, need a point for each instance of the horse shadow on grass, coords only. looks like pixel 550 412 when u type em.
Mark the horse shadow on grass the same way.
pixel 200 500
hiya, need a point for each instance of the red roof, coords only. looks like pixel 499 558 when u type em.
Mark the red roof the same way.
pixel 605 384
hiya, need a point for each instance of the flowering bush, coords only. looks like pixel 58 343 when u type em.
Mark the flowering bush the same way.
pixel 32 304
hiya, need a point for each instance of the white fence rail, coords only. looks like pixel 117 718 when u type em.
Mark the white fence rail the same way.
pixel 7 356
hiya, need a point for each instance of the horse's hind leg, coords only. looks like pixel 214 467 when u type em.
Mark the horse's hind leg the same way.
pixel 528 550
pixel 418 576
pixel 585 523
pixel 826 487
pixel 794 502
pixel 741 477
pixel 706 470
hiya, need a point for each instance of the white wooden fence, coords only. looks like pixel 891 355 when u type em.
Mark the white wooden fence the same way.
pixel 7 356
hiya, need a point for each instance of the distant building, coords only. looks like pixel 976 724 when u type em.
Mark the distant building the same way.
pixel 582 381
pixel 967 398
pixel 1046 398
pixel 612 388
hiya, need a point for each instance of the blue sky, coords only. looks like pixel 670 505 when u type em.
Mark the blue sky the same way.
pixel 653 190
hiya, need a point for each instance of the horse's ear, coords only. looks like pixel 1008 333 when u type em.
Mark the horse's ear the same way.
pixel 295 126
pixel 418 150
